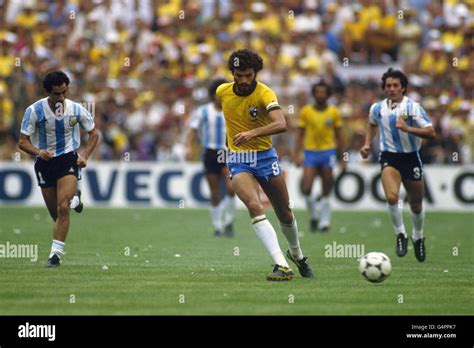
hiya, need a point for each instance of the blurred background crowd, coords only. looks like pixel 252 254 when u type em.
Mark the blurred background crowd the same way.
pixel 143 66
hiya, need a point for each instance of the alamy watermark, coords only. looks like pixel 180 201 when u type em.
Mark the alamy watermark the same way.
pixel 335 250
pixel 28 251
pixel 37 331
pixel 247 157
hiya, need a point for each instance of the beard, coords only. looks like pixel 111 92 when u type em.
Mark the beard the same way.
pixel 245 87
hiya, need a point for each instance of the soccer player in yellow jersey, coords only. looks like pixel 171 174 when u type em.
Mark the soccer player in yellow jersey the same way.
pixel 252 115
pixel 319 133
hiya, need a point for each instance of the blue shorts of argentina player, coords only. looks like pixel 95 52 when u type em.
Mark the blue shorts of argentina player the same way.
pixel 320 159
pixel 261 164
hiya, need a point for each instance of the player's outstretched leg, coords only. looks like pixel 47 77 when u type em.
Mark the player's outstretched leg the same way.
pixel 246 188
pixel 275 189
pixel 391 181
pixel 66 186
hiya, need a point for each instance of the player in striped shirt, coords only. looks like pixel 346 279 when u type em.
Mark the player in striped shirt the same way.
pixel 403 124
pixel 50 130
pixel 208 123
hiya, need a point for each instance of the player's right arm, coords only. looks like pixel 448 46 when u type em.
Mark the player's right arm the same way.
pixel 298 155
pixel 28 127
pixel 299 149
pixel 371 133
pixel 372 129
pixel 24 144
pixel 276 126
pixel 191 139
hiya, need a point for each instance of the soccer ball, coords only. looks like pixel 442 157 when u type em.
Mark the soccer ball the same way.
pixel 375 267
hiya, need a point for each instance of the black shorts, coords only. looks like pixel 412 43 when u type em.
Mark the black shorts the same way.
pixel 214 161
pixel 408 164
pixel 48 172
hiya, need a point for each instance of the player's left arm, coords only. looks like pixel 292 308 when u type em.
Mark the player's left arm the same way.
pixel 340 147
pixel 87 123
pixel 339 137
pixel 424 127
pixel 277 125
pixel 91 144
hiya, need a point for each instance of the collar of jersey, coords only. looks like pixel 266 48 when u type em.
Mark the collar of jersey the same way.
pixel 320 110
pixel 51 112
pixel 240 94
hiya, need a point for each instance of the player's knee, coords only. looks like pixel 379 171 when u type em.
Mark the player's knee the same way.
pixel 306 189
pixel 286 217
pixel 392 198
pixel 255 208
pixel 63 208
pixel 416 207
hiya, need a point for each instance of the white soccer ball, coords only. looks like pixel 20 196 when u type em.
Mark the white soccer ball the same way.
pixel 375 267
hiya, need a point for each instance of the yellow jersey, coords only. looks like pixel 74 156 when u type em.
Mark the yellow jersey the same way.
pixel 319 127
pixel 246 112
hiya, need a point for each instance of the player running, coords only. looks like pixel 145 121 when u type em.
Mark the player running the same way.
pixel 209 123
pixel 253 115
pixel 402 123
pixel 50 130
pixel 319 132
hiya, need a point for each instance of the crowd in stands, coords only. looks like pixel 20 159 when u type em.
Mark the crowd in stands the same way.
pixel 143 66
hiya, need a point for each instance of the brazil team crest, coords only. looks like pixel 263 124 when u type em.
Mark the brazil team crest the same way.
pixel 73 120
pixel 253 111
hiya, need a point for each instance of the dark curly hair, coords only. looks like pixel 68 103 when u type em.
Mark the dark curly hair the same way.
pixel 322 83
pixel 396 74
pixel 213 87
pixel 245 59
pixel 55 78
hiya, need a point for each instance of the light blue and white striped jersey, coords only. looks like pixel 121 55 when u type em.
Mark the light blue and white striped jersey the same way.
pixel 59 134
pixel 385 117
pixel 210 124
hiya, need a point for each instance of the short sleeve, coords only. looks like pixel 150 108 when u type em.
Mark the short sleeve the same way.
pixel 420 117
pixel 373 114
pixel 220 89
pixel 270 100
pixel 28 124
pixel 302 120
pixel 86 120
pixel 337 118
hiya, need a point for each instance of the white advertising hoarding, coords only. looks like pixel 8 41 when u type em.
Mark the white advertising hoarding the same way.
pixel 125 184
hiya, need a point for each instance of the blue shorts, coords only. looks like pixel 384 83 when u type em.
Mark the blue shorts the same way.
pixel 261 164
pixel 320 159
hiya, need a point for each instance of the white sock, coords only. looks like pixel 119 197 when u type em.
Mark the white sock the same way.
pixel 57 248
pixel 291 234
pixel 418 222
pixel 216 218
pixel 311 206
pixel 267 235
pixel 397 219
pixel 325 212
pixel 229 213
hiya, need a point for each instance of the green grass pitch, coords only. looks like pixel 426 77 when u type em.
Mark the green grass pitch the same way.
pixel 176 267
